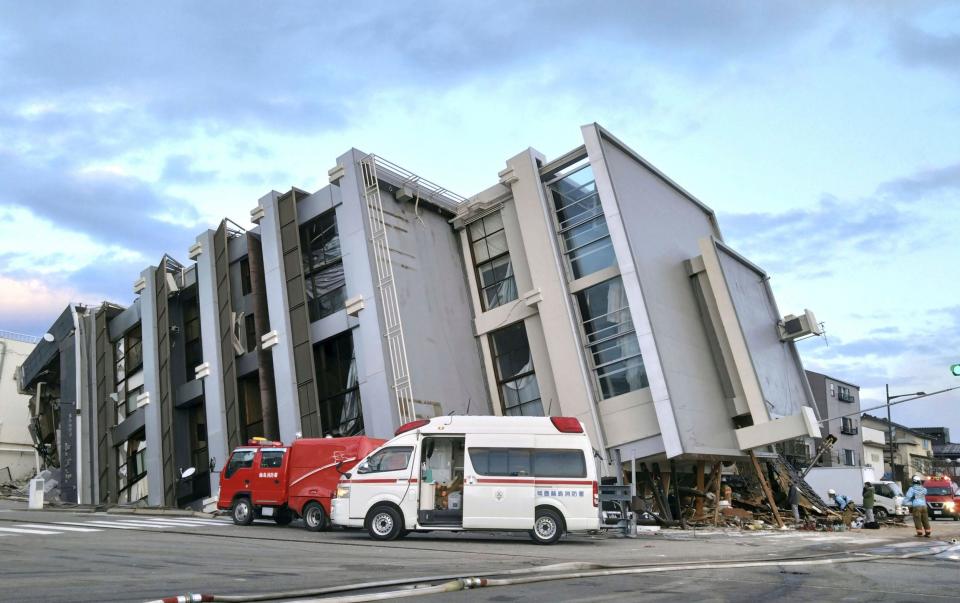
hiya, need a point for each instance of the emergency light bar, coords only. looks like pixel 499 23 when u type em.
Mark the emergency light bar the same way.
pixel 258 441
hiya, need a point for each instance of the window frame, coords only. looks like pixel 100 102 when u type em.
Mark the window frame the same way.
pixel 383 451
pixel 501 381
pixel 310 271
pixel 230 470
pixel 562 227
pixel 478 265
pixel 324 397
pixel 532 454
pixel 592 348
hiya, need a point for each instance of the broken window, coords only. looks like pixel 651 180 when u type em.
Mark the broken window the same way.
pixel 323 277
pixel 516 379
pixel 132 468
pixel 341 413
pixel 245 284
pixel 491 258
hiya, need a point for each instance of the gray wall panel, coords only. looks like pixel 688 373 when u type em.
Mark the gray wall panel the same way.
pixel 783 384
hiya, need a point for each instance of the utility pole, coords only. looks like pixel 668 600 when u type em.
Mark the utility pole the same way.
pixel 893 471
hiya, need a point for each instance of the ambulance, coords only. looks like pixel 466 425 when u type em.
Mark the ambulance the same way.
pixel 267 480
pixel 532 474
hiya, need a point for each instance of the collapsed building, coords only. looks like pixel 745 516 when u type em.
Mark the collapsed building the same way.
pixel 589 285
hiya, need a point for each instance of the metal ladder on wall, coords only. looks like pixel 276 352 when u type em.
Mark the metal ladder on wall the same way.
pixel 388 292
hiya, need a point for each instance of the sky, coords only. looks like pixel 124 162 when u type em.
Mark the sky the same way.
pixel 825 135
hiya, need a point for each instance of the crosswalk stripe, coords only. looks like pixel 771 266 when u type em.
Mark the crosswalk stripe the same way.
pixel 46 526
pixel 27 531
pixel 99 524
pixel 174 522
pixel 145 524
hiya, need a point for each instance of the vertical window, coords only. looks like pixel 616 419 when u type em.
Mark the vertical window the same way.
pixel 848 457
pixel 322 266
pixel 193 346
pixel 132 468
pixel 340 411
pixel 582 227
pixel 491 258
pixel 611 339
pixel 134 348
pixel 245 286
pixel 250 326
pixel 516 379
pixel 847 426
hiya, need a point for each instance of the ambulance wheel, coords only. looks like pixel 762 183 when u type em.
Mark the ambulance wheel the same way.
pixel 242 512
pixel 384 523
pixel 880 513
pixel 547 527
pixel 314 517
pixel 283 517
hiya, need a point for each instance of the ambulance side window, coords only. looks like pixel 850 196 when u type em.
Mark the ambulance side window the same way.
pixel 242 459
pixel 388 459
pixel 271 459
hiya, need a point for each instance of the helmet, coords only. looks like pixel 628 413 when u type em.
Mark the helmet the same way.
pixel 917 479
pixel 832 492
pixel 866 483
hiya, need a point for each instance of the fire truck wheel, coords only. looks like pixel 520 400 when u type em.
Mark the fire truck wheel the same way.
pixel 242 512
pixel 384 523
pixel 283 517
pixel 547 527
pixel 314 519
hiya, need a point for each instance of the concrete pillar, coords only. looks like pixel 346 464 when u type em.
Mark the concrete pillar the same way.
pixel 151 387
pixel 213 394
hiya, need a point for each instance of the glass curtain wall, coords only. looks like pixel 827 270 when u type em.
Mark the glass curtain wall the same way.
pixel 581 225
pixel 322 266
pixel 516 378
pixel 341 413
pixel 611 339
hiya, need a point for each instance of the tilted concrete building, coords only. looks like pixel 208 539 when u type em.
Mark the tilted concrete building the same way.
pixel 589 285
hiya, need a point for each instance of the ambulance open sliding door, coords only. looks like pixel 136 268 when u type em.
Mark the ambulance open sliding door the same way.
pixel 498 491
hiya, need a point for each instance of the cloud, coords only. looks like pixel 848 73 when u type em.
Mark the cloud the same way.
pixel 180 169
pixel 113 209
pixel 919 48
pixel 30 305
pixel 903 215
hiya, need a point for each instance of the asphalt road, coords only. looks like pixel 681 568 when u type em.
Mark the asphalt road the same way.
pixel 73 556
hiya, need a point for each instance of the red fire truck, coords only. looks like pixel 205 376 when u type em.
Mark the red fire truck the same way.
pixel 943 500
pixel 267 480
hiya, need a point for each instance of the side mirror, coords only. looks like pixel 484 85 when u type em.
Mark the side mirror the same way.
pixel 337 467
pixel 213 464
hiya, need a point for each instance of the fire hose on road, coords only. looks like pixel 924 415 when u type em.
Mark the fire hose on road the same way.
pixel 416 587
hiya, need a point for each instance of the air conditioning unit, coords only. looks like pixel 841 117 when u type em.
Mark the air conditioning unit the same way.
pixel 796 327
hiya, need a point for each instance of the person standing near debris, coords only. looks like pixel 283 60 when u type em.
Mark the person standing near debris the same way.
pixel 793 499
pixel 916 498
pixel 869 495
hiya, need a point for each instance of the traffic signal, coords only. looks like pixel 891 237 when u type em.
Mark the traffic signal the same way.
pixel 955 369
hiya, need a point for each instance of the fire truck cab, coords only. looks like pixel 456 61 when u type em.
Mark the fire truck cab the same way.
pixel 943 500
pixel 268 480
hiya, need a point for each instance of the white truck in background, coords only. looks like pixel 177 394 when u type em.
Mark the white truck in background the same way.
pixel 849 481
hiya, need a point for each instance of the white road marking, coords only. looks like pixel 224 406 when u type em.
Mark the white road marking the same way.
pixel 146 524
pixel 26 531
pixel 99 524
pixel 46 526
